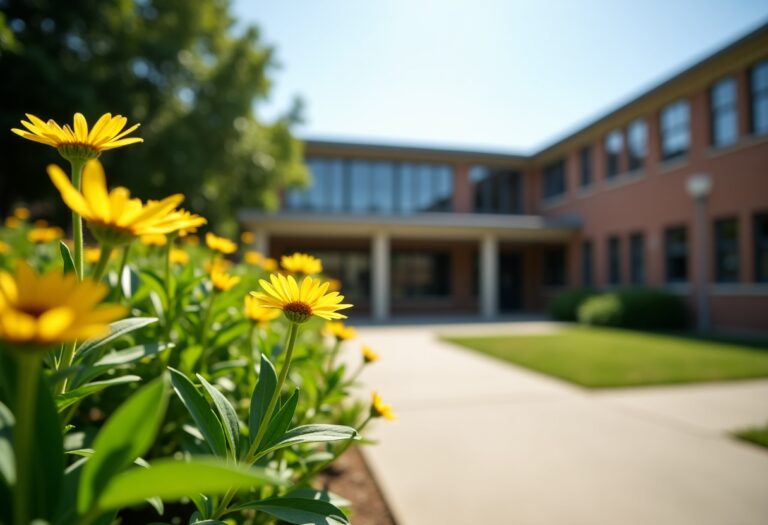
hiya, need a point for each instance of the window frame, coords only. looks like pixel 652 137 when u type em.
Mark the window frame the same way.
pixel 754 94
pixel 668 256
pixel 683 127
pixel 719 110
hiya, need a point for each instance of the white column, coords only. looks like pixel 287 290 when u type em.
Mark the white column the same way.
pixel 261 242
pixel 489 276
pixel 380 283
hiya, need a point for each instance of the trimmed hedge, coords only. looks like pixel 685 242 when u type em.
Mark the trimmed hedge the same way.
pixel 637 308
pixel 565 307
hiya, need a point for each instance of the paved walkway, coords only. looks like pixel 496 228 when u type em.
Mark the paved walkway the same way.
pixel 482 442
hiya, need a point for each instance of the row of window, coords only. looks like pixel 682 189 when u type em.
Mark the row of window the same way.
pixel 674 132
pixel 676 254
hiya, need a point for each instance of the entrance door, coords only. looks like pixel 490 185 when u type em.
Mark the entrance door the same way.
pixel 510 282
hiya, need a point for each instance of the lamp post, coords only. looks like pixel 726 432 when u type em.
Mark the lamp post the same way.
pixel 699 187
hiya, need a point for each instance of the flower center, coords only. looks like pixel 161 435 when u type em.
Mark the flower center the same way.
pixel 297 307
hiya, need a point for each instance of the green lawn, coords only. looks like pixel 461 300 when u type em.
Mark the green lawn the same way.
pixel 756 435
pixel 599 358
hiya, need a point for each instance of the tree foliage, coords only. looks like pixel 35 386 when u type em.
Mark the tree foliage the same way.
pixel 188 71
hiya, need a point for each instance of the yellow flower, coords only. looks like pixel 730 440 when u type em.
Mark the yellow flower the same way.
pixel 299 304
pixel 269 265
pixel 220 244
pixel 12 222
pixel 185 222
pixel 222 280
pixel 218 263
pixel 301 263
pixel 247 237
pixel 340 331
pixel 21 213
pixel 114 218
pixel 154 239
pixel 92 255
pixel 257 313
pixel 53 308
pixel 369 356
pixel 4 247
pixel 179 256
pixel 77 142
pixel 380 409
pixel 253 257
pixel 334 285
pixel 43 235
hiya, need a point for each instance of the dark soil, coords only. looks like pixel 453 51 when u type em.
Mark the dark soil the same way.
pixel 350 478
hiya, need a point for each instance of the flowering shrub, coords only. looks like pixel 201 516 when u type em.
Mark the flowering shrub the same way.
pixel 148 368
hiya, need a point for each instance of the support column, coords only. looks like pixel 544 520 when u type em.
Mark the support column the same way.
pixel 261 242
pixel 380 281
pixel 489 276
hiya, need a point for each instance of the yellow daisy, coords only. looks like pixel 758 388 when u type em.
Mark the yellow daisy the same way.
pixel 114 217
pixel 4 247
pixel 179 256
pixel 223 281
pixel 77 142
pixel 253 257
pixel 247 237
pixel 369 356
pixel 299 304
pixel 92 255
pixel 380 409
pixel 12 222
pixel 301 263
pixel 269 265
pixel 185 222
pixel 43 235
pixel 21 213
pixel 153 239
pixel 257 313
pixel 340 331
pixel 220 244
pixel 53 308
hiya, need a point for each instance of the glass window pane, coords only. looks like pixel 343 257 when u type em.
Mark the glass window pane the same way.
pixel 360 183
pixel 383 187
pixel 407 188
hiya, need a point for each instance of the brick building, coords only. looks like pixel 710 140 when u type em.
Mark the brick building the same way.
pixel 430 231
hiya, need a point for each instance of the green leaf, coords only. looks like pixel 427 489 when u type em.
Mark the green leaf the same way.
pixel 322 495
pixel 116 329
pixel 262 395
pixel 48 458
pixel 227 415
pixel 132 354
pixel 280 421
pixel 312 434
pixel 125 436
pixel 201 412
pixel 73 396
pixel 66 258
pixel 300 511
pixel 172 480
pixel 228 334
pixel 7 459
pixel 129 281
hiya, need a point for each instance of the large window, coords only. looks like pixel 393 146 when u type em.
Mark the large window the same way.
pixel 586 264
pixel 675 129
pixel 614 260
pixel 637 258
pixel 420 275
pixel 351 267
pixel 760 228
pixel 614 142
pixel 366 186
pixel 585 166
pixel 758 88
pixel 637 143
pixel 554 180
pixel 496 190
pixel 554 266
pixel 727 250
pixel 724 111
pixel 676 254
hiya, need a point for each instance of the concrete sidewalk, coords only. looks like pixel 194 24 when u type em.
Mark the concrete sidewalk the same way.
pixel 482 442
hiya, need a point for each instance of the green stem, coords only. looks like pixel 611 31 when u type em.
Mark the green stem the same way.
pixel 206 319
pixel 334 352
pixel 76 166
pixel 123 263
pixel 27 383
pixel 67 356
pixel 169 288
pixel 293 332
pixel 101 266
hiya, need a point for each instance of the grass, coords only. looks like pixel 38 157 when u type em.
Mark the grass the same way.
pixel 756 435
pixel 601 358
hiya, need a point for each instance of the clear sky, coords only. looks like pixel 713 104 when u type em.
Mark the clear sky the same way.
pixel 491 74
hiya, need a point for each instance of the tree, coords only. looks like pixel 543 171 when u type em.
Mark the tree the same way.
pixel 186 70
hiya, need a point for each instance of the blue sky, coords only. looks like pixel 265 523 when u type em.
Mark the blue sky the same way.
pixel 489 74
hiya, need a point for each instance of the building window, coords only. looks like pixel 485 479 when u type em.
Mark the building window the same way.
pixel 496 190
pixel 349 267
pixel 725 113
pixel 554 266
pixel 637 258
pixel 420 275
pixel 614 260
pixel 614 142
pixel 727 250
pixel 676 254
pixel 761 247
pixel 585 166
pixel 758 84
pixel 675 129
pixel 554 180
pixel 637 143
pixel 586 264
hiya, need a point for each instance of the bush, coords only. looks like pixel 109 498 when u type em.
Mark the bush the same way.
pixel 638 308
pixel 565 306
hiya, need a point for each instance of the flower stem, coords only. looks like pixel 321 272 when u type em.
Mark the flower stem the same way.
pixel 123 263
pixel 101 266
pixel 76 166
pixel 332 357
pixel 26 387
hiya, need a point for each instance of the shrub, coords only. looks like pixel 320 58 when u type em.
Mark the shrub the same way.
pixel 602 310
pixel 638 308
pixel 565 306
